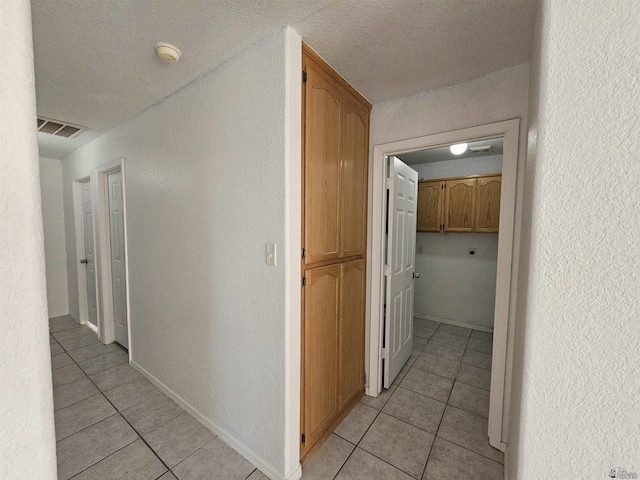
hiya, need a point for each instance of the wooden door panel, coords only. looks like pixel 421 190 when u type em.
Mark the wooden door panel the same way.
pixel 321 330
pixel 352 311
pixel 323 98
pixel 459 210
pixel 488 204
pixel 429 206
pixel 354 157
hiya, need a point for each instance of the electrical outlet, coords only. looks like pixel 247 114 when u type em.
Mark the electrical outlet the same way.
pixel 472 252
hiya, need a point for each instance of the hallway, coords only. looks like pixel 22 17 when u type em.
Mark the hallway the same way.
pixel 431 424
pixel 112 423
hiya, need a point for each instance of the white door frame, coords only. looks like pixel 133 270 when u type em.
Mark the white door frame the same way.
pixel 509 130
pixel 103 253
pixel 83 304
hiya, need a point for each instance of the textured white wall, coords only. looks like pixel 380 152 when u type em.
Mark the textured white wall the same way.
pixel 454 285
pixel 461 167
pixel 27 439
pixel 55 252
pixel 577 408
pixel 495 97
pixel 208 184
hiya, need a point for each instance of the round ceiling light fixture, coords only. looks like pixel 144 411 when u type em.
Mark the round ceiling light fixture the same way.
pixel 167 52
pixel 458 148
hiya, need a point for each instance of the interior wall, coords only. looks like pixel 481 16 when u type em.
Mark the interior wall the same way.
pixel 27 434
pixel 576 405
pixel 492 98
pixel 55 252
pixel 209 180
pixel 454 286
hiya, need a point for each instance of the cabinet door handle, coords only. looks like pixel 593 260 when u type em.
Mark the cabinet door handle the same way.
pixel 416 275
pixel 84 260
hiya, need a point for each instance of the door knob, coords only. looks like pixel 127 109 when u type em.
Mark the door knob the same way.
pixel 84 260
pixel 416 275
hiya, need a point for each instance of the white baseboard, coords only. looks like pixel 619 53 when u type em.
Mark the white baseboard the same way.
pixel 225 436
pixel 73 316
pixel 454 322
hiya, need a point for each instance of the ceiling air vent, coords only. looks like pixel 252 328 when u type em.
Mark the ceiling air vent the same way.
pixel 59 128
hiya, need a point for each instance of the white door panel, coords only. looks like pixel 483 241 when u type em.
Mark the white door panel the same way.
pixel 401 252
pixel 89 254
pixel 118 261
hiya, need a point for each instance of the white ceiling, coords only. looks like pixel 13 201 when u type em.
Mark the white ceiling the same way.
pixel 96 65
pixel 443 154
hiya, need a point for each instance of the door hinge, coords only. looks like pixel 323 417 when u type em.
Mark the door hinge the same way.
pixel 304 281
pixel 303 439
pixel 388 183
pixel 304 252
pixel 387 269
pixel 385 353
pixel 304 76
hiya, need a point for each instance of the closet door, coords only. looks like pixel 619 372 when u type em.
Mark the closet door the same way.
pixel 488 204
pixel 323 99
pixel 354 159
pixel 352 310
pixel 321 332
pixel 459 207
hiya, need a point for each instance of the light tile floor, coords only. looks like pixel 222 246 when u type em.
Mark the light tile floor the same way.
pixel 432 422
pixel 112 423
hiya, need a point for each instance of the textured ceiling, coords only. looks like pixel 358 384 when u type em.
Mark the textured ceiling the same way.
pixel 443 154
pixel 96 66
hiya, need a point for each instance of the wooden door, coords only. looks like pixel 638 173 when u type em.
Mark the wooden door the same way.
pixel 354 169
pixel 401 254
pixel 323 115
pixel 321 332
pixel 459 207
pixel 488 204
pixel 89 254
pixel 118 261
pixel 429 206
pixel 352 311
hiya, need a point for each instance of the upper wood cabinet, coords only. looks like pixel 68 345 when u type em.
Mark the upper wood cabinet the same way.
pixel 336 154
pixel 429 206
pixel 354 154
pixel 460 204
pixel 322 202
pixel 488 204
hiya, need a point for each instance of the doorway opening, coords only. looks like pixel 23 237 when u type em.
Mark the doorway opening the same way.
pixel 454 214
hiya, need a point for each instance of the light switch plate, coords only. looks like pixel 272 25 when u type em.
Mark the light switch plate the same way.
pixel 271 254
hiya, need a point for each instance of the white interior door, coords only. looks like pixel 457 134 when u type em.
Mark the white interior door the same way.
pixel 401 254
pixel 89 254
pixel 118 265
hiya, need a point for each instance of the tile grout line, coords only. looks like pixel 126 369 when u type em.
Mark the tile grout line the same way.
pixel 122 416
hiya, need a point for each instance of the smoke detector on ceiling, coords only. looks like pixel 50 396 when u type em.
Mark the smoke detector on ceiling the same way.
pixel 59 128
pixel 167 52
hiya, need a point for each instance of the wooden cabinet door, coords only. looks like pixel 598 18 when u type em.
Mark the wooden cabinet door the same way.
pixel 323 100
pixel 352 311
pixel 429 206
pixel 354 170
pixel 459 205
pixel 321 332
pixel 488 204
